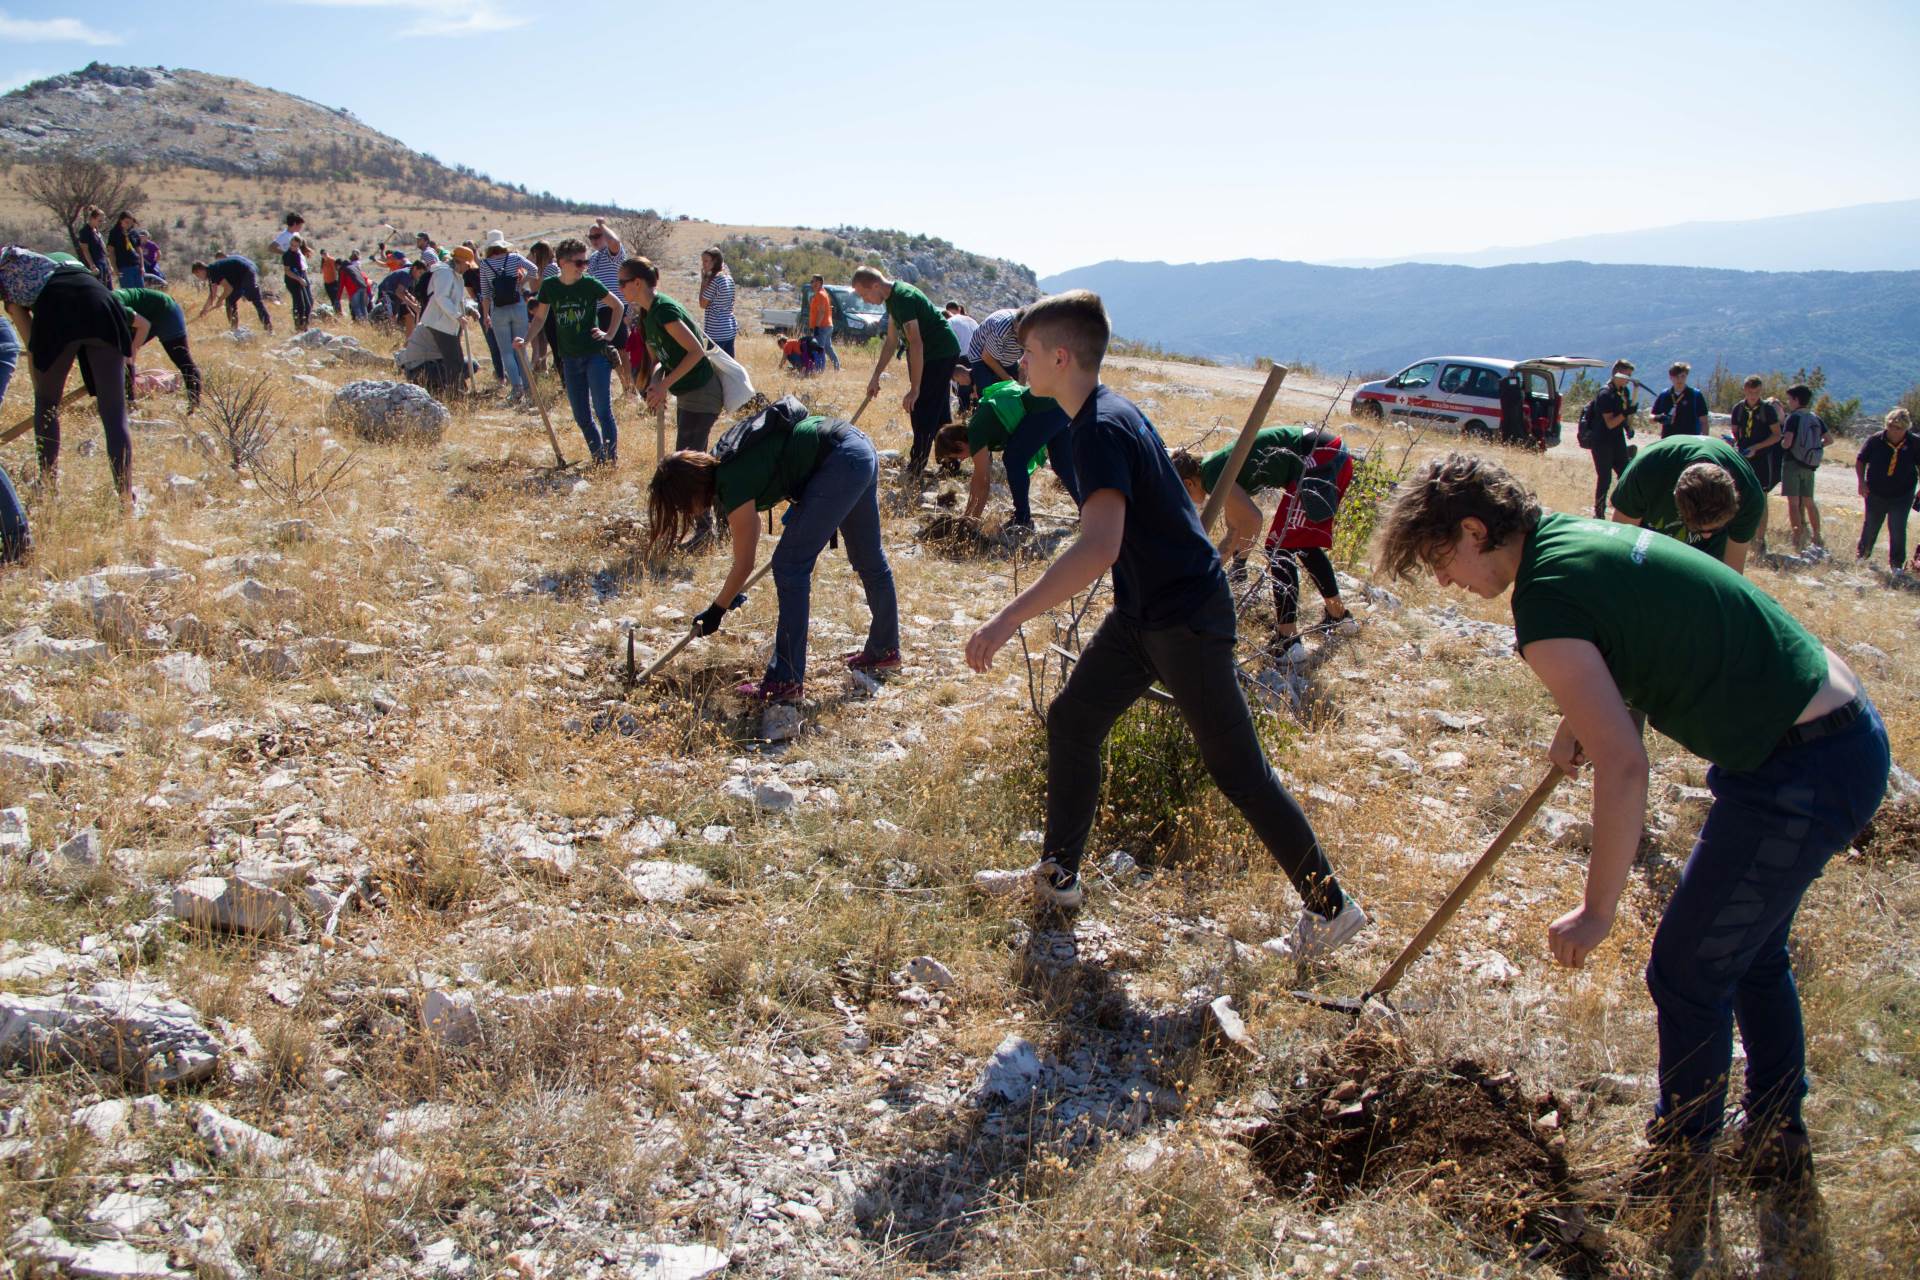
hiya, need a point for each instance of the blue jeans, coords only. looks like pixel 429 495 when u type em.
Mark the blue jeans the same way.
pixel 843 493
pixel 133 277
pixel 359 304
pixel 725 345
pixel 1049 431
pixel 9 352
pixel 591 377
pixel 510 323
pixel 1720 953
pixel 823 334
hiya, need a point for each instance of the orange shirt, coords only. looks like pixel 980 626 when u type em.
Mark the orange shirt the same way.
pixel 329 269
pixel 819 310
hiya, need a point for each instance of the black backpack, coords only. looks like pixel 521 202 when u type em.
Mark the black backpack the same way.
pixel 1586 432
pixel 1320 483
pixel 778 418
pixel 506 285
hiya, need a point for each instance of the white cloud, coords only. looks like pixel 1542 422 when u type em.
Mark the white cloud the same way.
pixel 436 17
pixel 70 30
pixel 11 80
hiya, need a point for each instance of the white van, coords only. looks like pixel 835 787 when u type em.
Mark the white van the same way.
pixel 1463 392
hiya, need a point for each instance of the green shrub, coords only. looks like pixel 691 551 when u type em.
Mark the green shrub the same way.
pixel 1373 479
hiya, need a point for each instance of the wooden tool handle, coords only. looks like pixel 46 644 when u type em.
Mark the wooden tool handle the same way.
pixel 855 421
pixel 1256 418
pixel 25 424
pixel 688 638
pixel 1468 883
pixel 526 371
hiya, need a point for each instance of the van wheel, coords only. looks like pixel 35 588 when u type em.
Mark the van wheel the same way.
pixel 13 522
pixel 1369 410
pixel 1477 430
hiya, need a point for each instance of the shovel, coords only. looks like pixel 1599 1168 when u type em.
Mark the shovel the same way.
pixel 1355 1006
pixel 688 638
pixel 526 371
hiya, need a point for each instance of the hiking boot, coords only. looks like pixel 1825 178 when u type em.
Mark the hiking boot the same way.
pixel 1057 888
pixel 873 664
pixel 785 692
pixel 1315 937
pixel 1289 653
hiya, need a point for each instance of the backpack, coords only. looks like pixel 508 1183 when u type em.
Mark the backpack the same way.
pixel 1802 423
pixel 1586 431
pixel 777 419
pixel 1319 487
pixel 506 285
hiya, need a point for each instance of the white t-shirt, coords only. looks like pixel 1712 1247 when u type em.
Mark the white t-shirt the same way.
pixel 284 239
pixel 963 327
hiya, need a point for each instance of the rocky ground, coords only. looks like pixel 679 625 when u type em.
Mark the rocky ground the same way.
pixel 357 918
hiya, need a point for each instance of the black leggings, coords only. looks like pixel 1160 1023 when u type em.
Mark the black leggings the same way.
pixel 1284 563
pixel 176 349
pixel 105 372
pixel 1609 460
pixel 1194 659
pixel 300 298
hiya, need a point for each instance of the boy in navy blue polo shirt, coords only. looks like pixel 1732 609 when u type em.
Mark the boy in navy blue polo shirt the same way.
pixel 1172 621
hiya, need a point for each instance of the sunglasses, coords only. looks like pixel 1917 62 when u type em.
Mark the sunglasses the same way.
pixel 576 262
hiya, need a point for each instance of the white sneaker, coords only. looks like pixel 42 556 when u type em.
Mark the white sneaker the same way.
pixel 1346 626
pixel 1315 937
pixel 1292 653
pixel 1053 887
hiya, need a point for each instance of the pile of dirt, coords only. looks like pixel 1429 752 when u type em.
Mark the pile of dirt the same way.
pixel 1892 836
pixel 957 537
pixel 1464 1139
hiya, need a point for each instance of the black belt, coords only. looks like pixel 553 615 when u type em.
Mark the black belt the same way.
pixel 1827 725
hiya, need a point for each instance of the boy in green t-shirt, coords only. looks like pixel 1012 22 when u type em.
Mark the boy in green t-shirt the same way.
pixel 1030 429
pixel 1612 617
pixel 932 351
pixel 1697 489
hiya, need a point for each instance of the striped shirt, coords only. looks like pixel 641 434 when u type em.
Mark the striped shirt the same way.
pixel 996 334
pixel 716 295
pixel 507 264
pixel 605 267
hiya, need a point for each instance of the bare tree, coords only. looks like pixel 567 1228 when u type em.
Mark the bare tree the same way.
pixel 67 182
pixel 643 235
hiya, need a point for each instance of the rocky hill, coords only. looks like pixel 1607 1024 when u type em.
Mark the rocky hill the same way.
pixel 168 119
pixel 943 270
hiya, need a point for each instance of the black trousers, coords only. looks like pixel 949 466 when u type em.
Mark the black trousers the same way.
pixel 1194 660
pixel 1284 564
pixel 105 372
pixel 1609 460
pixel 300 298
pixel 1893 513
pixel 932 409
pixel 176 349
pixel 250 293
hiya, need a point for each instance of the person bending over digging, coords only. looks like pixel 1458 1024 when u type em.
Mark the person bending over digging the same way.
pixel 1030 429
pixel 828 470
pixel 1611 617
pixel 1697 489
pixel 914 322
pixel 1311 469
pixel 156 316
pixel 1172 620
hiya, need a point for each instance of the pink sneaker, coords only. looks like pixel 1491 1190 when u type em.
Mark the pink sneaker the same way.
pixel 785 691
pixel 872 664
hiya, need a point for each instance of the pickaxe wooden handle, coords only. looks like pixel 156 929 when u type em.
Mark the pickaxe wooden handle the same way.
pixel 688 638
pixel 25 424
pixel 855 421
pixel 1256 418
pixel 526 371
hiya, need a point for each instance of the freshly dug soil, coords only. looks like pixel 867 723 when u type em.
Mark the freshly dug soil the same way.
pixel 1464 1139
pixel 956 537
pixel 1892 836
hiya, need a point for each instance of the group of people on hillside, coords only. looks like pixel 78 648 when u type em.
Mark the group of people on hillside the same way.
pixel 124 256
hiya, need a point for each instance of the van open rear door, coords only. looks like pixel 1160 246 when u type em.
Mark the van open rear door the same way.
pixel 1543 373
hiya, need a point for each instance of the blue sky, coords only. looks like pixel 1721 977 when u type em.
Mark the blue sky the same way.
pixel 1076 132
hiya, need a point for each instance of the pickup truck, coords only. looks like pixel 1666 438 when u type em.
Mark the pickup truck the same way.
pixel 854 319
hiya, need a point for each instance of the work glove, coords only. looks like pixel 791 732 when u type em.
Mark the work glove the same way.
pixel 706 622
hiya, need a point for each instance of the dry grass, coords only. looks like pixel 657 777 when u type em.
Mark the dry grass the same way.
pixel 500 598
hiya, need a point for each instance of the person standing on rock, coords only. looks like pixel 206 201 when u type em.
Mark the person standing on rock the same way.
pixel 65 316
pixel 1172 620
pixel 931 354
pixel 1311 470
pixel 1029 429
pixel 828 471
pixel 1887 469
pixel 1697 489
pixel 676 361
pixel 155 315
pixel 1681 410
pixel 228 280
pixel 576 301
pixel 1612 426
pixel 1610 617
pixel 716 300
pixel 293 264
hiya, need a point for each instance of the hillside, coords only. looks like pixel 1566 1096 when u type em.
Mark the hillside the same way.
pixel 1862 328
pixel 1860 237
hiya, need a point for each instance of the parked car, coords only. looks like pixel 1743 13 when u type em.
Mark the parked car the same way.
pixel 854 318
pixel 1463 392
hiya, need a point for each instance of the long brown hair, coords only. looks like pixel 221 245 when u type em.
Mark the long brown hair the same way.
pixel 682 487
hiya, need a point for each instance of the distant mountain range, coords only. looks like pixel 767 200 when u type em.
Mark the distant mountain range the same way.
pixel 1863 328
pixel 1861 237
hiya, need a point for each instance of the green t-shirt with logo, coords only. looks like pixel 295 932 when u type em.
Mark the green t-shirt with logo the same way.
pixel 1003 407
pixel 770 470
pixel 1645 490
pixel 668 352
pixel 154 306
pixel 936 335
pixel 1278 459
pixel 576 313
pixel 1715 662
